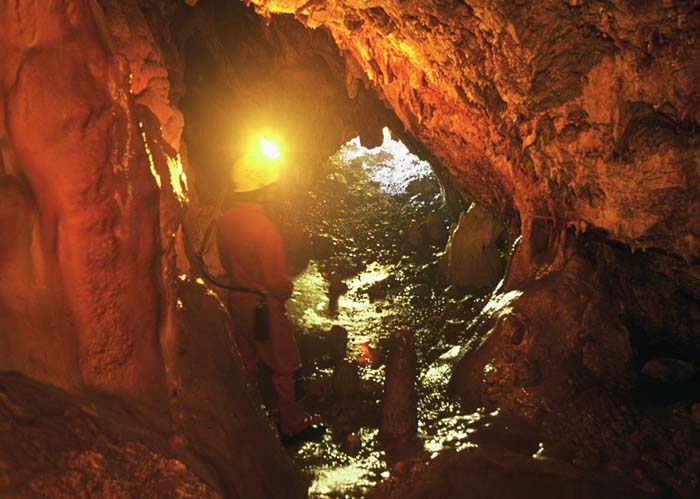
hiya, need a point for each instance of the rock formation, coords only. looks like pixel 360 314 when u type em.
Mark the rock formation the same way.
pixel 399 402
pixel 558 111
pixel 572 123
pixel 472 261
pixel 94 187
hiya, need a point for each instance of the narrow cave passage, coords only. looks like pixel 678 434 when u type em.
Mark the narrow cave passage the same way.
pixel 527 326
pixel 378 226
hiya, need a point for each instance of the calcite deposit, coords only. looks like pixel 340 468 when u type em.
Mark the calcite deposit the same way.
pixel 573 124
pixel 74 143
pixel 96 298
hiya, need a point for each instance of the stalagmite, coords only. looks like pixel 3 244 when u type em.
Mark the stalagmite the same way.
pixel 399 416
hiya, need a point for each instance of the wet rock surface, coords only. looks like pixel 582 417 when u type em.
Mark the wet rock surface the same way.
pixel 399 402
pixel 542 109
pixel 57 445
pixel 472 259
pixel 574 124
pixel 590 403
pixel 348 355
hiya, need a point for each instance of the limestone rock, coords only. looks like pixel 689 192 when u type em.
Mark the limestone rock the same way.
pixel 582 124
pixel 346 385
pixel 57 445
pixel 321 246
pixel 454 331
pixel 221 431
pixel 97 245
pixel 472 260
pixel 352 444
pixel 337 343
pixel 415 234
pixel 378 290
pixel 336 288
pixel 149 82
pixel 435 228
pixel 423 186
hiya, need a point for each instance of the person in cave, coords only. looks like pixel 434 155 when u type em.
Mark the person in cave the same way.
pixel 252 253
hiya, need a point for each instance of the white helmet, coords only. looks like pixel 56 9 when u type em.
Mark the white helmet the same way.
pixel 257 169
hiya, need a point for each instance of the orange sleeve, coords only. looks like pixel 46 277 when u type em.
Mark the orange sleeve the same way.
pixel 273 263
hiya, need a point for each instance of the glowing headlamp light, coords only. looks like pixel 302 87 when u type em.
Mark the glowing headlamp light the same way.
pixel 258 168
pixel 269 149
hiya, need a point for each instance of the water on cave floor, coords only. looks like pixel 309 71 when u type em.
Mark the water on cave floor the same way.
pixel 376 270
pixel 371 209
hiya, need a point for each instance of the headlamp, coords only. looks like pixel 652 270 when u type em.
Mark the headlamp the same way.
pixel 269 149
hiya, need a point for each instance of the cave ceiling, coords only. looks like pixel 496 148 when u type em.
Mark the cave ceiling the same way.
pixel 582 113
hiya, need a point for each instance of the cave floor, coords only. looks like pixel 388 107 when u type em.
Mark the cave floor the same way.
pixel 374 269
pixel 363 208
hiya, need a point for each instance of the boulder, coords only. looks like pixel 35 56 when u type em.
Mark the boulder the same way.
pixel 472 261
pixel 337 342
pixel 321 246
pixel 415 234
pixel 346 385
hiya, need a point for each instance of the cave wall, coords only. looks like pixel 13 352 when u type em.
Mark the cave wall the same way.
pixel 583 113
pixel 73 144
pixel 574 123
pixel 96 294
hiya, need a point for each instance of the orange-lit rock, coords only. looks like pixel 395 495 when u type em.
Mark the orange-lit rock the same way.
pixel 94 184
pixel 572 123
pixel 149 81
pixel 220 430
pixel 73 134
pixel 558 353
pixel 57 445
pixel 472 261
pixel 553 109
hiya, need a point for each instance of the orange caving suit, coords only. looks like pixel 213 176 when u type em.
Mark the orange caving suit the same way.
pixel 252 252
